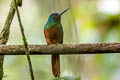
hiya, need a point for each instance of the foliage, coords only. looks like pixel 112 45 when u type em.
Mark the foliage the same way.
pixel 67 78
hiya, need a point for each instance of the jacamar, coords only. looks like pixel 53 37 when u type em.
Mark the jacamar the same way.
pixel 53 32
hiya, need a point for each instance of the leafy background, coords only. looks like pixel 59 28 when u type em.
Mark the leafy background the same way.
pixel 87 21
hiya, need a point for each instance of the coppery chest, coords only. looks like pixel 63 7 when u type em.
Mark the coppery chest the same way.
pixel 54 35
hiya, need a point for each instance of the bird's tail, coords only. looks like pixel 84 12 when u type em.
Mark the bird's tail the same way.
pixel 56 65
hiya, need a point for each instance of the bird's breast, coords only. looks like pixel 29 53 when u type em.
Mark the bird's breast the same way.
pixel 54 35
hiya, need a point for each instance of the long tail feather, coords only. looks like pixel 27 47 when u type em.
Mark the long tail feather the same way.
pixel 56 65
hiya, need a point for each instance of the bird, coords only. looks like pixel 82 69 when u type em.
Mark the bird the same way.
pixel 53 32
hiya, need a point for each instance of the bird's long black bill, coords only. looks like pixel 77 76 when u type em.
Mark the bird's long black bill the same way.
pixel 63 11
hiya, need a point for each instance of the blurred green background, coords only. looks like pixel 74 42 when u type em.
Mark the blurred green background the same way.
pixel 87 21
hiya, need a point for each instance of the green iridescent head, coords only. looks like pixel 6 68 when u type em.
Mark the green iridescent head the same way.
pixel 54 18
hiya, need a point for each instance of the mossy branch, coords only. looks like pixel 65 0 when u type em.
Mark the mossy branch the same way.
pixel 4 35
pixel 25 43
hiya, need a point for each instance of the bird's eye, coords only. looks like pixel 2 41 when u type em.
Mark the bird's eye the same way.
pixel 54 16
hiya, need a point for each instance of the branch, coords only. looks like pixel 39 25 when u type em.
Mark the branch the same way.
pixel 94 48
pixel 4 35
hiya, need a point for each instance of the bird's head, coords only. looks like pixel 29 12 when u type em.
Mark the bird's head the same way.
pixel 56 17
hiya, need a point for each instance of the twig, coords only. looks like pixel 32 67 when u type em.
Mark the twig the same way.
pixel 25 43
pixel 62 49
